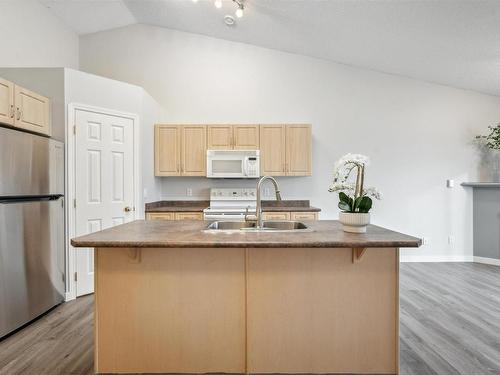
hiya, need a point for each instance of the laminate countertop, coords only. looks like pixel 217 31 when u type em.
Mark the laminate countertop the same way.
pixel 199 206
pixel 164 234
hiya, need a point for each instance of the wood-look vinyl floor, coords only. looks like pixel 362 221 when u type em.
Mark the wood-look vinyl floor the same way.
pixel 450 324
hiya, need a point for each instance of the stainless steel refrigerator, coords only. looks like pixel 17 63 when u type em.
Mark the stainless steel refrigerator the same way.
pixel 32 266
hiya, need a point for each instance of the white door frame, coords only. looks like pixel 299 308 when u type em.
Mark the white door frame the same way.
pixel 71 188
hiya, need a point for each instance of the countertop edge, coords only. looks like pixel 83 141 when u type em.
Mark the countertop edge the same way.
pixel 339 245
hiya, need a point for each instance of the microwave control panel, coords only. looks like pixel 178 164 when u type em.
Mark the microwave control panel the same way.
pixel 252 167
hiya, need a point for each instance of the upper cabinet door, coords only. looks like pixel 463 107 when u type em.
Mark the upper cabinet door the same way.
pixel 32 111
pixel 167 150
pixel 220 137
pixel 272 150
pixel 194 150
pixel 298 150
pixel 6 102
pixel 246 137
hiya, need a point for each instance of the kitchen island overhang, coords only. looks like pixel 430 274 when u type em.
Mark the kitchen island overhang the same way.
pixel 171 298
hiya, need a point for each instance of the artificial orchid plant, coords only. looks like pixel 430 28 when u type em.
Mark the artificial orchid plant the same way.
pixel 353 197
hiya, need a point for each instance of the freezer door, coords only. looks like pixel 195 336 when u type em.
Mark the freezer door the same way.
pixel 30 164
pixel 31 259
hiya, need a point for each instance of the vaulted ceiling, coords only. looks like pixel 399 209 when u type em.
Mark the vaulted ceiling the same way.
pixel 456 43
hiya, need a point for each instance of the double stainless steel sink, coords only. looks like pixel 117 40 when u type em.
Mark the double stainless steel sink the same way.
pixel 251 226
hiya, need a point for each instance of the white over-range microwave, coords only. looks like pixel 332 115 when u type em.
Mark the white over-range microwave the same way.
pixel 233 163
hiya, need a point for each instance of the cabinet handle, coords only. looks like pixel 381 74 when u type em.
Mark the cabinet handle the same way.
pixel 18 114
pixel 12 111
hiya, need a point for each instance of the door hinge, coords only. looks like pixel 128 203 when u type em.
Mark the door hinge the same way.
pixel 74 203
pixel 63 277
pixel 74 129
pixel 76 277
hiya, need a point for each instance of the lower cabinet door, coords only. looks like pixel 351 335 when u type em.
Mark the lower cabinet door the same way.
pixel 189 216
pixel 303 216
pixel 276 215
pixel 313 311
pixel 176 310
pixel 160 216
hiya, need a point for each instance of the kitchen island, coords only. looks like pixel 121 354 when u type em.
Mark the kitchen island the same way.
pixel 173 298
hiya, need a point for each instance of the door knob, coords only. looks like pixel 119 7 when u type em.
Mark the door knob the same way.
pixel 127 209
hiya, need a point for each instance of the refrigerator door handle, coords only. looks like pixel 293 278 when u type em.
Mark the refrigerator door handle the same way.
pixel 38 198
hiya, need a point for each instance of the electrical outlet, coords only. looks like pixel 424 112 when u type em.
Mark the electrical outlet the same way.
pixel 451 240
pixel 145 193
pixel 450 183
pixel 425 240
pixel 189 192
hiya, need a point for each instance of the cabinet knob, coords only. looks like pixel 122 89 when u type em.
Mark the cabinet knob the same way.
pixel 127 209
pixel 12 111
pixel 18 114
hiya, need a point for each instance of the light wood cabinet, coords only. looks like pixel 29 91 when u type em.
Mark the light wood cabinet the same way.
pixel 194 151
pixel 32 111
pixel 189 216
pixel 6 102
pixel 220 137
pixel 298 150
pixel 276 215
pixel 246 137
pixel 233 137
pixel 174 310
pixel 303 216
pixel 167 150
pixel 174 216
pixel 314 312
pixel 160 216
pixel 24 108
pixel 272 150
pixel 285 150
pixel 180 150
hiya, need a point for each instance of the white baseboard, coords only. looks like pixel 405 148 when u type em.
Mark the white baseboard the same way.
pixel 69 296
pixel 440 258
pixel 492 261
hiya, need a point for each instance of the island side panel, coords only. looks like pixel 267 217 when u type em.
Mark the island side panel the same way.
pixel 170 310
pixel 315 311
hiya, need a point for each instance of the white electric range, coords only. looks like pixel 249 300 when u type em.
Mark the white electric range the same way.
pixel 231 204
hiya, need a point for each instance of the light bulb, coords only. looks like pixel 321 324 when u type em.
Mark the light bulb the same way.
pixel 239 12
pixel 218 4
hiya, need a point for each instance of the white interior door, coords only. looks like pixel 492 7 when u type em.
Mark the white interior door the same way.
pixel 104 182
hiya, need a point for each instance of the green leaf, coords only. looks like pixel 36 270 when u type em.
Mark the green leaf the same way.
pixel 365 204
pixel 344 197
pixel 345 206
pixel 346 202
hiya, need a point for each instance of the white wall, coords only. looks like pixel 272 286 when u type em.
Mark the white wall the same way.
pixel 31 36
pixel 417 133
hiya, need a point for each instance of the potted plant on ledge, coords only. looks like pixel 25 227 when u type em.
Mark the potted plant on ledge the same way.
pixel 355 201
pixel 489 150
